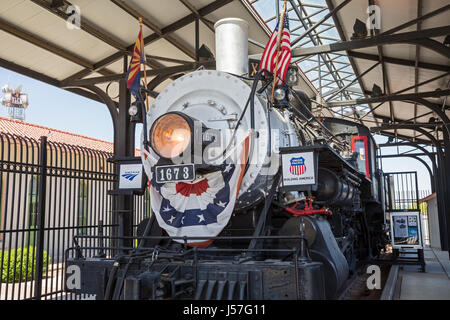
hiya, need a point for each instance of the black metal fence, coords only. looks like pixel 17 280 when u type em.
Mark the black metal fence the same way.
pixel 49 193
pixel 402 191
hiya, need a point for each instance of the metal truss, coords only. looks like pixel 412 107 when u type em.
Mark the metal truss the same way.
pixel 123 49
pixel 326 57
pixel 311 25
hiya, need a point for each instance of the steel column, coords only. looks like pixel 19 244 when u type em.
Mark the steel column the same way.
pixel 41 218
pixel 441 184
pixel 125 133
pixel 438 186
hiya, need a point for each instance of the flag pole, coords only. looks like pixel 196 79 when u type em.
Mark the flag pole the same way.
pixel 280 37
pixel 145 68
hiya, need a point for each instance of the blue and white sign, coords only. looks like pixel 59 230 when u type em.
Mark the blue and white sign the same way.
pixel 298 169
pixel 406 230
pixel 130 176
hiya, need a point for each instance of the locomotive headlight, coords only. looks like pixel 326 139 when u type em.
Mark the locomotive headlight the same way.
pixel 279 94
pixel 133 111
pixel 170 135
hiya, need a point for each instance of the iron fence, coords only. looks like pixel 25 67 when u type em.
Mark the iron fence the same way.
pixel 49 193
pixel 403 194
pixel 402 191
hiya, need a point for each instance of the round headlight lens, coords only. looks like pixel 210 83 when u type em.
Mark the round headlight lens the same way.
pixel 132 111
pixel 170 135
pixel 293 79
pixel 279 94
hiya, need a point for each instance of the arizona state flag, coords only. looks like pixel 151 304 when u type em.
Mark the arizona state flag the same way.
pixel 134 72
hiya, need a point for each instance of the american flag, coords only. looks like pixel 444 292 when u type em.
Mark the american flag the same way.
pixel 269 56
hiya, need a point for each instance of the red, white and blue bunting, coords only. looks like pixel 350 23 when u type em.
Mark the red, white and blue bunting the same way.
pixel 202 207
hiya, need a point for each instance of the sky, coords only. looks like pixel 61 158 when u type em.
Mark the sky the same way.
pixel 59 109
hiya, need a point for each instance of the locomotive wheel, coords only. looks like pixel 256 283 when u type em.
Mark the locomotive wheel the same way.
pixel 292 228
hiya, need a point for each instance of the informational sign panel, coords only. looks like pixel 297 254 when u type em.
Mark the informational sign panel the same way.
pixel 406 230
pixel 130 176
pixel 299 169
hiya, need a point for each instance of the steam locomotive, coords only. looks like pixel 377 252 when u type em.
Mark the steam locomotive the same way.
pixel 252 196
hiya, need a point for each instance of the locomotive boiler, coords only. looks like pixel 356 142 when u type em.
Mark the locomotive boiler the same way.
pixel 252 196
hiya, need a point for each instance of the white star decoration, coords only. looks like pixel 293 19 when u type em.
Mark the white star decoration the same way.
pixel 200 216
pixel 228 168
pixel 221 204
pixel 166 209
pixel 171 219
pixel 182 220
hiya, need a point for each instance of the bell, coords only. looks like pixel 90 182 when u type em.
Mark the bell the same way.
pixel 360 30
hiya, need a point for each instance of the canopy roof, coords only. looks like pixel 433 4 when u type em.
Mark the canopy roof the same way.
pixel 38 43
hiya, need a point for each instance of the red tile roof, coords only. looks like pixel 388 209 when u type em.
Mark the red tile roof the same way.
pixel 34 131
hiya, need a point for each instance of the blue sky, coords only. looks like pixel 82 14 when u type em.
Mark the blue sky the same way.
pixel 59 109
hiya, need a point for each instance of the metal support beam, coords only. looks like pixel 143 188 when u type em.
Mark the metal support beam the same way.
pixel 394 97
pixel 319 23
pixel 401 62
pixel 417 20
pixel 84 25
pixel 431 44
pixel 444 182
pixel 441 193
pixel 409 88
pixel 46 45
pixel 447 166
pixel 183 22
pixel 352 62
pixel 125 133
pixel 417 59
pixel 113 108
pixel 161 71
pixel 416 157
pixel 93 31
pixel 42 201
pixel 46 79
pixel 191 7
pixel 374 41
pixel 135 14
pixel 353 81
pixel 407 126
pixel 316 41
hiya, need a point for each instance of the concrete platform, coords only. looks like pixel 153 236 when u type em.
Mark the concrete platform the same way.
pixel 433 284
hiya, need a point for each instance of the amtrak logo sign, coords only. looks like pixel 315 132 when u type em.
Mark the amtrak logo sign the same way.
pixel 130 176
pixel 298 169
pixel 298 166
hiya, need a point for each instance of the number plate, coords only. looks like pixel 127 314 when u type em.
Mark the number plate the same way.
pixel 175 173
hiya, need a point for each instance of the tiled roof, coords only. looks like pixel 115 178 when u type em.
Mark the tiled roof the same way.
pixel 34 131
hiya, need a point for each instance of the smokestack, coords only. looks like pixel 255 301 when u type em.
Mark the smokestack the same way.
pixel 232 46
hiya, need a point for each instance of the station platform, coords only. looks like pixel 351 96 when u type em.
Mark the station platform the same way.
pixel 433 284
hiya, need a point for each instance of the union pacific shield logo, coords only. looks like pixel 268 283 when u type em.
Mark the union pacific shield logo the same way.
pixel 297 166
